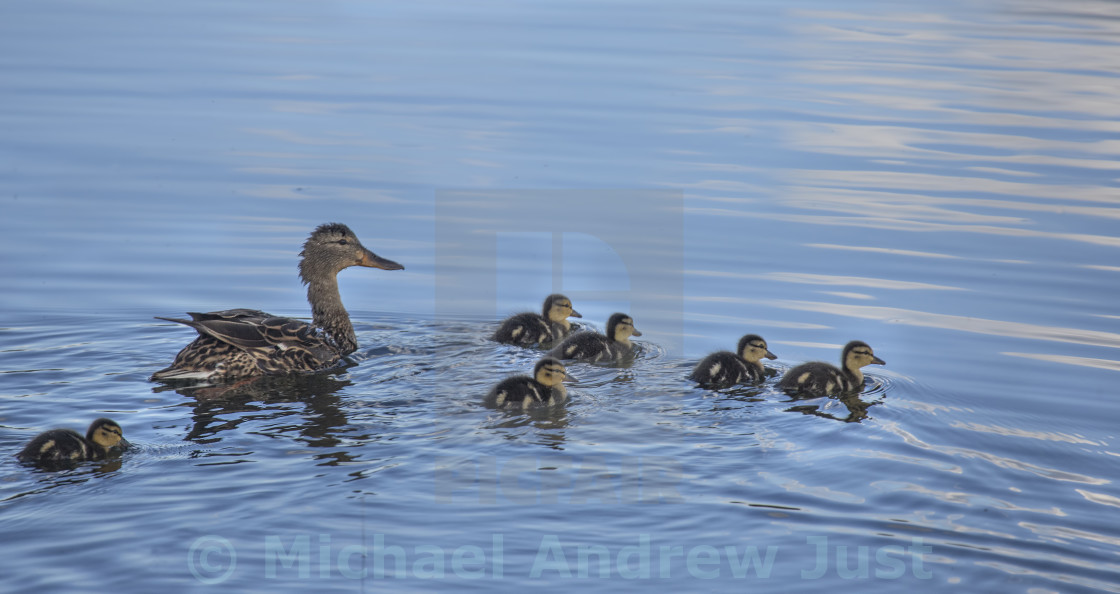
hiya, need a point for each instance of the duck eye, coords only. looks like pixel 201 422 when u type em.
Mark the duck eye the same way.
pixel 342 242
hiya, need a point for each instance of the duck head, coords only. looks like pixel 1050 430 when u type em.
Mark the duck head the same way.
pixel 858 354
pixel 107 434
pixel 551 372
pixel 620 327
pixel 333 247
pixel 753 348
pixel 558 308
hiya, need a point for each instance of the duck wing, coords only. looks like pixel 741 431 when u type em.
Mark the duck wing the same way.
pixel 240 342
pixel 241 314
pixel 264 333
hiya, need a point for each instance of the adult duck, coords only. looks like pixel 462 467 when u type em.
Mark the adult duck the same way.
pixel 239 343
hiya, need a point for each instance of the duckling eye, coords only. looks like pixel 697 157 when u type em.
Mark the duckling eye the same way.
pixel 342 242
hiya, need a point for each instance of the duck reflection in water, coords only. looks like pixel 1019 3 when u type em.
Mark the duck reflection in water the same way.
pixel 321 423
pixel 857 408
pixel 547 425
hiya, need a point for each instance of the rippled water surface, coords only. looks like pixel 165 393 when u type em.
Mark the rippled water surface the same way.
pixel 939 179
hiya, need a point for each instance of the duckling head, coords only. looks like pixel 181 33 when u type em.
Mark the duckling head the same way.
pixel 107 434
pixel 620 327
pixel 558 308
pixel 858 354
pixel 333 247
pixel 551 372
pixel 753 348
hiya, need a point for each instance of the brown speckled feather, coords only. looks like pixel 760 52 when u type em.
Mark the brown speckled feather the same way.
pixel 231 346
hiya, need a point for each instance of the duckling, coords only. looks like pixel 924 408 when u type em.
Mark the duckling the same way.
pixel 238 343
pixel 724 369
pixel 821 379
pixel 544 388
pixel 595 347
pixel 63 446
pixel 529 329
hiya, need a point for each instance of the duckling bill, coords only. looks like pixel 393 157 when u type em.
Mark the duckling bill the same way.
pixel 817 378
pixel 594 347
pixel 238 343
pixel 65 446
pixel 724 369
pixel 529 329
pixel 545 388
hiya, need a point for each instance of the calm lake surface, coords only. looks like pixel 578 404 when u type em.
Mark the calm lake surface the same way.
pixel 940 179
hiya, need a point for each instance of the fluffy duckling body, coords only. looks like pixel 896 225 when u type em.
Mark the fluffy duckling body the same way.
pixel 594 347
pixel 545 388
pixel 724 369
pixel 66 446
pixel 821 379
pixel 530 329
pixel 237 343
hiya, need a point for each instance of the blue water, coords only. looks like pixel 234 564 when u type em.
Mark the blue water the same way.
pixel 938 179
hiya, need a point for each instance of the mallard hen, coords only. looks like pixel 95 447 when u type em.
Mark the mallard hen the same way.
pixel 238 343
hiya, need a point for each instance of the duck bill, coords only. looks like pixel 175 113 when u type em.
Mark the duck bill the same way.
pixel 875 359
pixel 636 333
pixel 372 260
pixel 123 444
pixel 568 377
pixel 574 314
pixel 770 355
